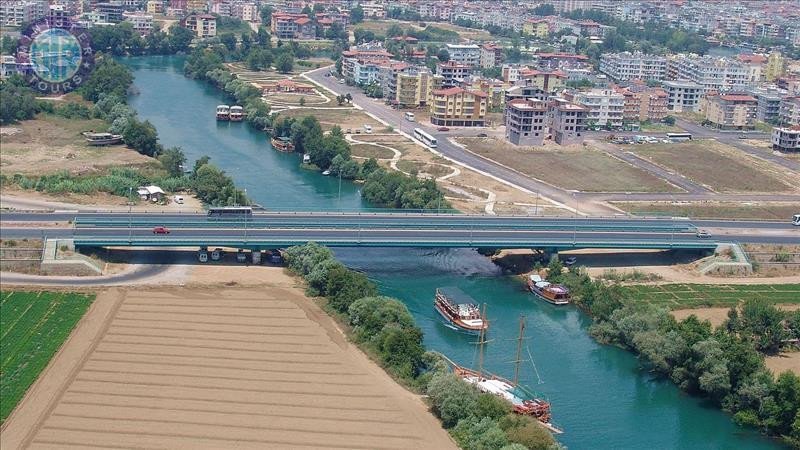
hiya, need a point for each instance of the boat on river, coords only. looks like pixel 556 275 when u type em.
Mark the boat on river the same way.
pixel 555 294
pixel 523 400
pixel 236 113
pixel 102 138
pixel 223 112
pixel 459 310
pixel 282 144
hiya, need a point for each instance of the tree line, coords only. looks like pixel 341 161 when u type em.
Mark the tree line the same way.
pixel 384 328
pixel 725 365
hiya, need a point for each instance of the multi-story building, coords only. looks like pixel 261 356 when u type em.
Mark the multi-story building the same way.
pixel 142 22
pixel 731 111
pixel 466 54
pixel 769 102
pixel 786 139
pixel 604 107
pixel 567 121
pixel 721 74
pixel 111 11
pixel 358 57
pixel 776 64
pixel 16 13
pixel 547 80
pixel 416 88
pixel 203 25
pixel 456 107
pixel 683 95
pixel 155 7
pixel 755 66
pixel 644 104
pixel 292 26
pixel 196 5
pixel 526 122
pixel 539 28
pixel 789 113
pixel 491 56
pixel 375 10
pixel 58 16
pixel 453 73
pixel 633 66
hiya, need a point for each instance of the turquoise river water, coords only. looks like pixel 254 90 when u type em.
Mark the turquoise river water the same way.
pixel 600 396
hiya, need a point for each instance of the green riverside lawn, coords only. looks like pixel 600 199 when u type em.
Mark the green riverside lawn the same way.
pixel 33 325
pixel 676 296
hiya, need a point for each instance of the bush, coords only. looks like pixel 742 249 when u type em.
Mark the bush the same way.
pixel 452 398
pixel 479 434
pixel 526 431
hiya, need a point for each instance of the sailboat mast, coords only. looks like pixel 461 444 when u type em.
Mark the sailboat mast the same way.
pixel 482 340
pixel 519 347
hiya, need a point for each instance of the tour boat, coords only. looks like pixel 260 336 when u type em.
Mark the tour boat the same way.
pixel 102 138
pixel 523 400
pixel 223 112
pixel 282 144
pixel 466 316
pixel 555 294
pixel 236 113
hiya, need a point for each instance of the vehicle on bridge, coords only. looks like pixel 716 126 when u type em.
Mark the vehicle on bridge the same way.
pixel 465 316
pixel 160 230
pixel 424 137
pixel 233 212
pixel 703 234
pixel 555 294
pixel 796 220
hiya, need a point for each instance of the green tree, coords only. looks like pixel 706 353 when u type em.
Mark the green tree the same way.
pixel 179 38
pixel 545 9
pixel 8 45
pixel 443 55
pixel 173 160
pixel 108 77
pixel 17 102
pixel 228 40
pixel 142 136
pixel 284 63
pixel 474 433
pixel 356 15
pixel 344 286
pixel 763 323
pixel 452 398
pixel 370 315
pixel 266 15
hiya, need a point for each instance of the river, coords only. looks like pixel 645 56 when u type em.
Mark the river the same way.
pixel 600 396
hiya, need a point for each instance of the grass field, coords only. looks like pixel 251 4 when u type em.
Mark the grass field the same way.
pixel 715 165
pixel 328 118
pixel 370 151
pixel 33 325
pixel 582 169
pixel 714 210
pixel 678 296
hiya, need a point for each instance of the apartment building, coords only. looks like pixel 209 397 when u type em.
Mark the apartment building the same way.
pixel 769 102
pixel 416 88
pixel 457 107
pixel 465 54
pixel 203 25
pixel 731 111
pixel 775 66
pixel 721 74
pixel 567 121
pixel 359 57
pixel 643 103
pixel 604 107
pixel 196 5
pixel 491 56
pixel 633 66
pixel 755 66
pixel 539 28
pixel 786 139
pixel 789 113
pixel 374 10
pixel 142 22
pixel 526 122
pixel 547 80
pixel 453 73
pixel 154 7
pixel 16 13
pixel 683 95
pixel 292 26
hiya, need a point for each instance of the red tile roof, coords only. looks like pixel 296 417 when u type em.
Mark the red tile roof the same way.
pixel 756 59
pixel 737 98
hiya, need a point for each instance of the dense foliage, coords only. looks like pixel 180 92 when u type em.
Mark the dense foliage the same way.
pixel 396 190
pixel 121 39
pixel 17 100
pixel 725 364
pixel 108 77
pixel 385 328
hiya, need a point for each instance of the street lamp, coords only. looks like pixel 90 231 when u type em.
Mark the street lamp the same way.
pixel 130 214
pixel 245 218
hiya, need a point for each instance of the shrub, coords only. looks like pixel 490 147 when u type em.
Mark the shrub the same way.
pixel 473 433
pixel 452 398
pixel 526 431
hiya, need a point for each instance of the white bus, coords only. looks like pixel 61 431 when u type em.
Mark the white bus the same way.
pixel 796 220
pixel 233 212
pixel 679 137
pixel 425 138
pixel 410 116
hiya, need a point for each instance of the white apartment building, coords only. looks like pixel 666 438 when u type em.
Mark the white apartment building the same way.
pixel 16 13
pixel 142 23
pixel 721 74
pixel 375 10
pixel 683 95
pixel 629 66
pixel 466 54
pixel 604 107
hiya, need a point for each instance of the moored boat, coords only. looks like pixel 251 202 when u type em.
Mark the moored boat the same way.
pixel 236 113
pixel 282 144
pixel 223 112
pixel 465 316
pixel 555 294
pixel 102 138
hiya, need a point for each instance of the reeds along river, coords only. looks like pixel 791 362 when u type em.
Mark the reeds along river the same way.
pixel 600 396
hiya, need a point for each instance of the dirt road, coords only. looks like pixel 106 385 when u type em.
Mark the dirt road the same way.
pixel 215 367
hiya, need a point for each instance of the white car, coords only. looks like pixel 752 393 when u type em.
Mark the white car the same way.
pixel 368 128
pixel 216 255
pixel 703 234
pixel 202 257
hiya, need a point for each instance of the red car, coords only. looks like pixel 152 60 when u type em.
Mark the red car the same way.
pixel 443 129
pixel 160 230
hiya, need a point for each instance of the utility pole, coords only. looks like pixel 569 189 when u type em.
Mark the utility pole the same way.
pixel 339 200
pixel 130 215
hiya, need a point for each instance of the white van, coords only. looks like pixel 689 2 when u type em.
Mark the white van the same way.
pixel 368 128
pixel 179 199
pixel 410 116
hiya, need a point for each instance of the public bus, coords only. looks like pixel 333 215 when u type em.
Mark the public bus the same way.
pixel 679 137
pixel 425 138
pixel 232 212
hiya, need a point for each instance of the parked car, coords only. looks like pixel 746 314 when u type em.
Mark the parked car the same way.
pixel 742 136
pixel 443 129
pixel 341 81
pixel 241 256
pixel 368 128
pixel 570 261
pixel 160 230
pixel 216 255
pixel 483 135
pixel 703 234
pixel 202 257
pixel 178 199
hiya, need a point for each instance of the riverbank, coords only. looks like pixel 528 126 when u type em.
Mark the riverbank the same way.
pixel 124 377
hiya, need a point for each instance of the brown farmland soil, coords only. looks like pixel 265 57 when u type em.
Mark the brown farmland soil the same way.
pixel 238 367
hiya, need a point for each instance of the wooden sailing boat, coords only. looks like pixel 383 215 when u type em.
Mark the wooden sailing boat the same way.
pixel 523 400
